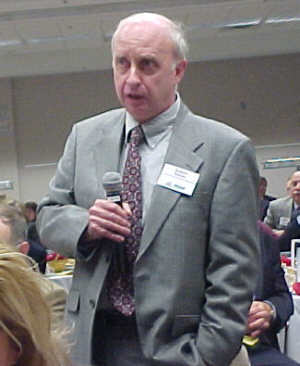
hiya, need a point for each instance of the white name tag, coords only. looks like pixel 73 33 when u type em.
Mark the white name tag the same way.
pixel 178 179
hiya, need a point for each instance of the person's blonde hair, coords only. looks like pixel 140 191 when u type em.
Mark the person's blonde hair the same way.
pixel 25 315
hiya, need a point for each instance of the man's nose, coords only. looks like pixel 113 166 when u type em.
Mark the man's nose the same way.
pixel 133 76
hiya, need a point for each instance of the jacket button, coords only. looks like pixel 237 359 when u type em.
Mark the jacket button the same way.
pixel 92 303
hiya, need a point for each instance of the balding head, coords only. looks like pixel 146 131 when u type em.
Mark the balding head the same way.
pixel 175 30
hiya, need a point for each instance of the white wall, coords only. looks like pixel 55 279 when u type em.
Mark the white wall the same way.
pixel 259 96
pixel 8 154
pixel 277 177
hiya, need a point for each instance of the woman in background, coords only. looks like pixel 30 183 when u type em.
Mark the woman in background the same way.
pixel 26 337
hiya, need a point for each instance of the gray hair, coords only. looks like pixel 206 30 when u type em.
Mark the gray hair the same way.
pixel 12 215
pixel 176 30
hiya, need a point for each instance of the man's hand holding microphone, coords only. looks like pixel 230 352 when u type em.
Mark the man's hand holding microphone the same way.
pixel 110 218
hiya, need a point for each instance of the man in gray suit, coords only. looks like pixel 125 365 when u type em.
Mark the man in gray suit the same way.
pixel 280 211
pixel 191 282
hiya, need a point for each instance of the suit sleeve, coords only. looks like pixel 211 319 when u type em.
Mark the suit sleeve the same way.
pixel 269 219
pixel 60 221
pixel 233 251
pixel 276 290
pixel 291 232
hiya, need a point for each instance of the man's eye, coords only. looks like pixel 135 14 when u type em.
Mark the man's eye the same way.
pixel 122 63
pixel 147 65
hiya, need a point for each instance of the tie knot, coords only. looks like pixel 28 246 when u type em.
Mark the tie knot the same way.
pixel 296 212
pixel 136 135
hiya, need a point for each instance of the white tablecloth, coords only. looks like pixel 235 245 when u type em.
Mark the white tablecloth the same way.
pixel 64 281
pixel 293 333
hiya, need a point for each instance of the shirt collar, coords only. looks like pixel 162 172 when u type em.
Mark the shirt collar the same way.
pixel 155 129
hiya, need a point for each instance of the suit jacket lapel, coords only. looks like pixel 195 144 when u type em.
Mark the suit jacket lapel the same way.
pixel 107 148
pixel 183 152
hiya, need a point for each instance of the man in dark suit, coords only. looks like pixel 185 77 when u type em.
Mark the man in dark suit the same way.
pixel 169 280
pixel 37 251
pixel 272 306
pixel 265 199
pixel 291 232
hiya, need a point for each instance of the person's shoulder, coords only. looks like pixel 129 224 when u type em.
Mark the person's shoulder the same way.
pixel 270 198
pixel 216 129
pixel 281 201
pixel 101 119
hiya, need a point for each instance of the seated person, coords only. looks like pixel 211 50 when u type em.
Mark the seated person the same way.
pixel 264 198
pixel 36 250
pixel 271 308
pixel 292 231
pixel 280 211
pixel 13 232
pixel 30 208
pixel 26 338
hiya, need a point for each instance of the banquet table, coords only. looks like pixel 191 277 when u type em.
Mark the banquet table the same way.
pixel 65 281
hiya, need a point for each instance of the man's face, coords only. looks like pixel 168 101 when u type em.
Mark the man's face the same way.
pixel 4 232
pixel 294 185
pixel 145 69
pixel 262 188
pixel 30 214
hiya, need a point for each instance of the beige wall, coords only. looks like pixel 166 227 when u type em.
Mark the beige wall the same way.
pixel 8 154
pixel 259 96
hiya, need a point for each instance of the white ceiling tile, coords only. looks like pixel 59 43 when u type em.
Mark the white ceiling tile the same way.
pixel 75 34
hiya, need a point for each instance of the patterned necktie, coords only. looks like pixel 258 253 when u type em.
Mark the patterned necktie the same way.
pixel 295 213
pixel 120 286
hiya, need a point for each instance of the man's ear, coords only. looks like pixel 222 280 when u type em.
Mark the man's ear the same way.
pixel 180 70
pixel 24 247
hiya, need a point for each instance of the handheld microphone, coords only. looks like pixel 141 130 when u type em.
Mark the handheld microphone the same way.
pixel 112 184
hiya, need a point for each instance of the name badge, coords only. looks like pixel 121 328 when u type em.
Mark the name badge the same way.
pixel 178 179
pixel 283 221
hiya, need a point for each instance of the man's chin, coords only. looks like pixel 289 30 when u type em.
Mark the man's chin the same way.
pixel 296 198
pixel 138 114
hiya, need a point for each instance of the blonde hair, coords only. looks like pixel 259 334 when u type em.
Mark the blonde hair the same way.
pixel 25 315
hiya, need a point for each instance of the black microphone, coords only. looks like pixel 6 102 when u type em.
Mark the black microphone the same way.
pixel 112 184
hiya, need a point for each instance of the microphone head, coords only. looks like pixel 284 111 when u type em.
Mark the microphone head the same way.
pixel 112 182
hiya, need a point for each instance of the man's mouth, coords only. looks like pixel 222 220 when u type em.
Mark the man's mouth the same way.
pixel 134 96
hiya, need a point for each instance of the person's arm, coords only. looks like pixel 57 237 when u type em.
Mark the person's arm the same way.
pixel 272 311
pixel 270 219
pixel 291 232
pixel 280 297
pixel 62 223
pixel 234 252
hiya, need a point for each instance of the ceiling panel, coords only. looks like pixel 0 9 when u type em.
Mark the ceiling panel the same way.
pixel 48 36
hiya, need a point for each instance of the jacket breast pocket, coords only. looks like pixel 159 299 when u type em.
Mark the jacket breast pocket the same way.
pixel 185 324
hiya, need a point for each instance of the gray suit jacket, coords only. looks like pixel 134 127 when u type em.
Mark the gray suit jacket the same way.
pixel 196 268
pixel 279 213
